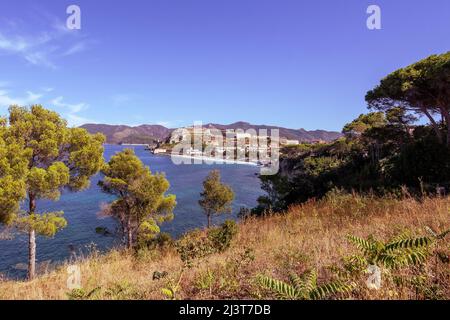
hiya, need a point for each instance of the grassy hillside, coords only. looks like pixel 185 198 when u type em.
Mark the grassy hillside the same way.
pixel 312 236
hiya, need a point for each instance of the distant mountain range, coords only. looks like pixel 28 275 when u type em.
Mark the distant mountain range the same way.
pixel 147 134
pixel 294 134
pixel 116 134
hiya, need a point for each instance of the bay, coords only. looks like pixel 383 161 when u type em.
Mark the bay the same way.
pixel 81 211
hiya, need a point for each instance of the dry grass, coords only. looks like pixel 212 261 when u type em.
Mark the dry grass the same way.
pixel 312 235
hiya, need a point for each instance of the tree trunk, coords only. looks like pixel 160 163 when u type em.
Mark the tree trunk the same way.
pixel 447 119
pixel 32 242
pixel 130 234
pixel 446 115
pixel 209 220
pixel 434 125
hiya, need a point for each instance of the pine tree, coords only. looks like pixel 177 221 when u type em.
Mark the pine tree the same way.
pixel 45 156
pixel 216 197
pixel 141 204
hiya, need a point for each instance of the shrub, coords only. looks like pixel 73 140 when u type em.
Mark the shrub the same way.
pixel 123 291
pixel 157 275
pixel 221 237
pixel 205 281
pixel 161 240
pixel 193 245
pixel 82 294
pixel 197 244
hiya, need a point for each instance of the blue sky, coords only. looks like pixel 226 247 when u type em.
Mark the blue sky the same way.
pixel 294 63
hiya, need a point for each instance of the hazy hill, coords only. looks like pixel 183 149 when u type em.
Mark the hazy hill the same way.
pixel 149 133
pixel 127 134
pixel 296 134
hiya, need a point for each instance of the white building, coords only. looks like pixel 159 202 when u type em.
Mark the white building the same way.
pixel 288 142
pixel 159 150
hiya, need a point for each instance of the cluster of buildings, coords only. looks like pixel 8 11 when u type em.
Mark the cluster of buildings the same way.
pixel 237 144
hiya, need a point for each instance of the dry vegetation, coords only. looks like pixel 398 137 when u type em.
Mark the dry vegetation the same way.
pixel 309 236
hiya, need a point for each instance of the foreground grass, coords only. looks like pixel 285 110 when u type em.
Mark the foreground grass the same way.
pixel 308 236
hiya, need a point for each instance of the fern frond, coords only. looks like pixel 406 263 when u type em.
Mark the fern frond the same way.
pixel 309 279
pixel 363 245
pixel 409 243
pixel 358 261
pixel 414 257
pixel 297 283
pixel 329 289
pixel 388 260
pixel 280 288
pixel 406 257
pixel 92 292
pixel 402 236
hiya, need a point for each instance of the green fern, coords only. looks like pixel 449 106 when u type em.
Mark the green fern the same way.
pixel 329 289
pixel 399 252
pixel 408 243
pixel 366 246
pixel 280 288
pixel 303 287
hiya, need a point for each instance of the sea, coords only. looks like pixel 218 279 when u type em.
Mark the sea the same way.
pixel 82 212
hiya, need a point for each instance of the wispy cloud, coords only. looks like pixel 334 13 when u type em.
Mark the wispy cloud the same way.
pixel 32 97
pixel 33 50
pixel 42 48
pixel 76 48
pixel 40 59
pixel 6 99
pixel 74 108
pixel 71 111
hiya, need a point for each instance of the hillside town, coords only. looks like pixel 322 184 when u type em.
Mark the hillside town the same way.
pixel 258 146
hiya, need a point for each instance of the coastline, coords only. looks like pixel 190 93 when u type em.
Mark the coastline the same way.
pixel 211 160
pixel 206 160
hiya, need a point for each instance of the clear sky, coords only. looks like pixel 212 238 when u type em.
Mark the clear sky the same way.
pixel 294 63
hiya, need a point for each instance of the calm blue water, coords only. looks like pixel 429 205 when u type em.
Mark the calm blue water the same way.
pixel 81 210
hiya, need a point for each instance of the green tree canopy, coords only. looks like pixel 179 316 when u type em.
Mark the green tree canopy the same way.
pixel 365 122
pixel 423 88
pixel 399 117
pixel 13 168
pixel 141 204
pixel 216 197
pixel 46 156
